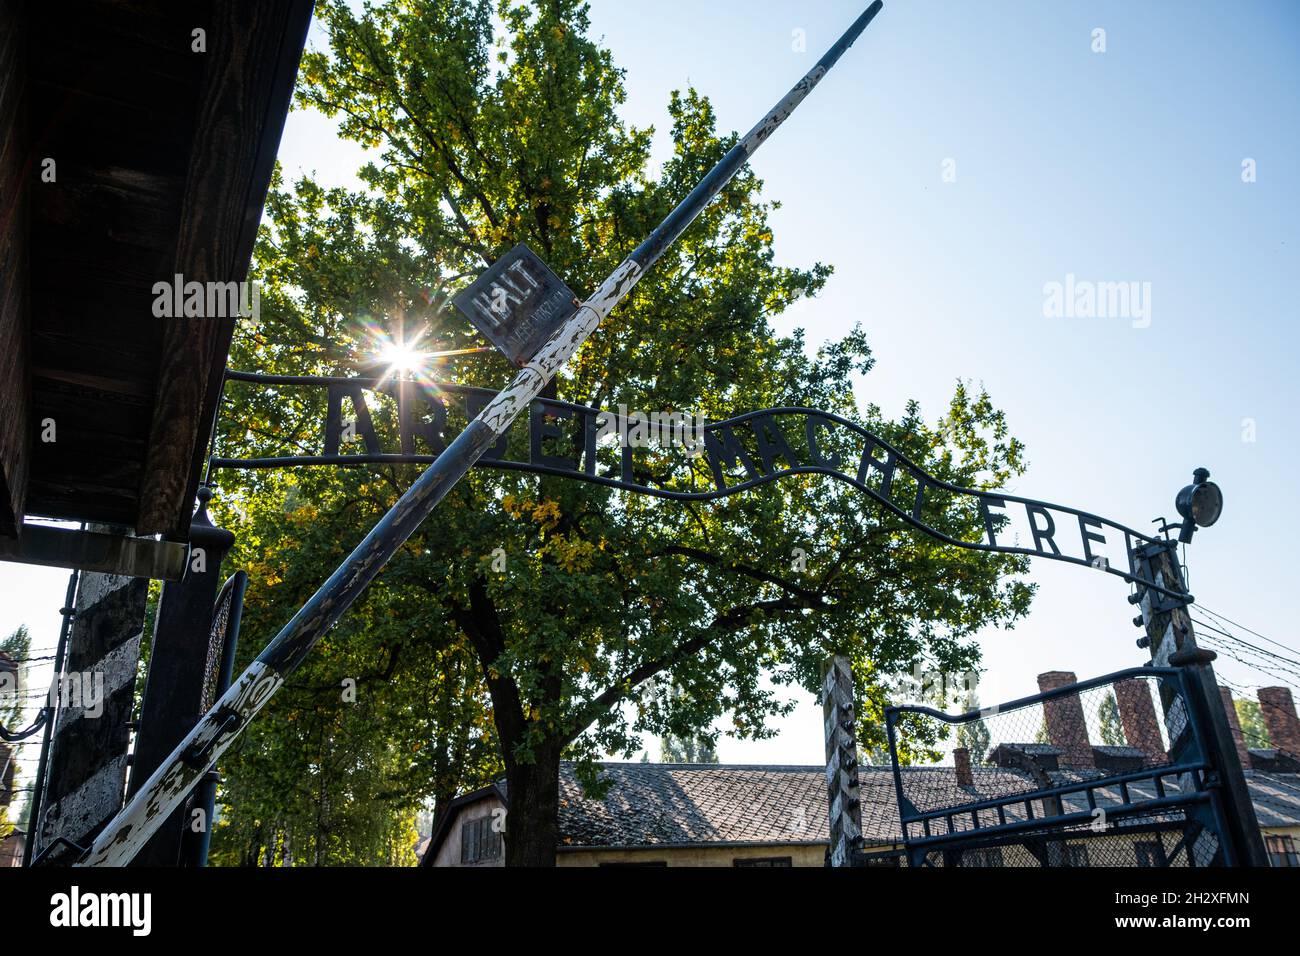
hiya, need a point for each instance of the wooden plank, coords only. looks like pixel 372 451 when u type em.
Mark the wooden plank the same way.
pixel 97 551
pixel 113 102
pixel 252 62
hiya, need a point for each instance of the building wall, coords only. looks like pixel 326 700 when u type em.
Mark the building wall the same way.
pixel 449 852
pixel 11 849
pixel 1292 832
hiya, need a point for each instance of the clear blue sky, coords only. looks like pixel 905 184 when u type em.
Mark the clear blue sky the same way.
pixel 1115 166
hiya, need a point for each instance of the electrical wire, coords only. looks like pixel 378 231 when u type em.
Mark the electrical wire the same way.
pixel 1264 668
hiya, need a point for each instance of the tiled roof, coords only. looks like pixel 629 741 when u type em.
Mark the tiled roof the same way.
pixel 665 804
pixel 656 804
pixel 652 804
pixel 1035 750
pixel 1276 797
pixel 1109 750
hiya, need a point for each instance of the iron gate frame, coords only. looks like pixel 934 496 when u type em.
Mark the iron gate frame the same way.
pixel 1197 776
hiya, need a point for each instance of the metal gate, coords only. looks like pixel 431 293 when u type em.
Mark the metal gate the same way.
pixel 1065 778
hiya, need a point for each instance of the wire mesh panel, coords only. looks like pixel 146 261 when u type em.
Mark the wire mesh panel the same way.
pixel 1164 840
pixel 221 637
pixel 1079 775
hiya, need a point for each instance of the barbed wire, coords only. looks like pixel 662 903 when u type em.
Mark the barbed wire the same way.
pixel 1232 623
pixel 1253 648
pixel 1275 680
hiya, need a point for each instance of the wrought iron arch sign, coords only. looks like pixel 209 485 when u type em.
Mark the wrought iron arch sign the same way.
pixel 755 444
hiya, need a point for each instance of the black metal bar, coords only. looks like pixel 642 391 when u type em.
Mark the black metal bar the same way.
pixel 1077 816
pixel 1062 691
pixel 1060 790
pixel 178 672
pixel 1238 832
pixel 901 461
pixel 124 835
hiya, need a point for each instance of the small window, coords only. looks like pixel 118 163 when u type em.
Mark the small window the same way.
pixel 1281 850
pixel 479 842
pixel 763 861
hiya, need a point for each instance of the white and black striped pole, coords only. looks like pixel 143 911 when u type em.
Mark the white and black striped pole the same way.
pixel 126 833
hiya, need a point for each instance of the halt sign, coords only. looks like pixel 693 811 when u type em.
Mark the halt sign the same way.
pixel 517 303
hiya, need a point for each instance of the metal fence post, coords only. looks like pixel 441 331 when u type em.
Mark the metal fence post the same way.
pixel 178 671
pixel 1172 641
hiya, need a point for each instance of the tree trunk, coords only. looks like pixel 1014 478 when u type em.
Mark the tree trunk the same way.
pixel 532 823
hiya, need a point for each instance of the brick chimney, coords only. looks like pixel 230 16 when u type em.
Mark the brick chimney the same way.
pixel 961 762
pixel 1280 718
pixel 1234 724
pixel 1138 716
pixel 1066 727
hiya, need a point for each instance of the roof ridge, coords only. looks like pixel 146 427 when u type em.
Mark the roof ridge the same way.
pixel 706 766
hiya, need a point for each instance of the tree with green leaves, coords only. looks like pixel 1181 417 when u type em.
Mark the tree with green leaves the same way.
pixel 1111 728
pixel 974 736
pixel 15 650
pixel 694 746
pixel 387 718
pixel 1253 728
pixel 569 597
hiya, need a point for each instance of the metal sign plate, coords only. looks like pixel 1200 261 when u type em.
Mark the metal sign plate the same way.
pixel 517 303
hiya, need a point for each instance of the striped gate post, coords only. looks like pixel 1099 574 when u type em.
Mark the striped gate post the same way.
pixel 840 724
pixel 85 779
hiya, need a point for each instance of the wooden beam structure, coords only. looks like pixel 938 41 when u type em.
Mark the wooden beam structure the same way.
pixel 144 150
pixel 96 551
pixel 241 109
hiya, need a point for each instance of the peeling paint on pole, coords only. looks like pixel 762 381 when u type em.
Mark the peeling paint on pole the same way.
pixel 86 774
